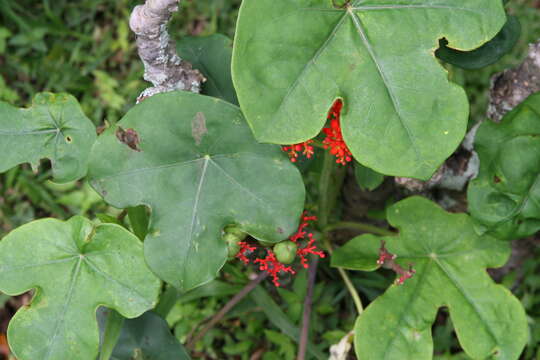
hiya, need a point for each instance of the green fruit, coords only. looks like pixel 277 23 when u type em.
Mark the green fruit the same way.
pixel 285 251
pixel 232 245
pixel 236 231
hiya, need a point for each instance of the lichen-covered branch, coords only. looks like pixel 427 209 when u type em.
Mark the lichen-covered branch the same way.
pixel 162 66
pixel 511 87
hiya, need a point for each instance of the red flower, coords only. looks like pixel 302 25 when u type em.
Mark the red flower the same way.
pixel 334 139
pixel 273 267
pixel 308 249
pixel 244 248
pixel 293 150
pixel 300 233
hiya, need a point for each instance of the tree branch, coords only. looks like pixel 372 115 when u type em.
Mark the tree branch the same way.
pixel 512 86
pixel 162 66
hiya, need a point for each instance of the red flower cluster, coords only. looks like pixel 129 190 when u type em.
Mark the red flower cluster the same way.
pixel 293 150
pixel 244 248
pixel 273 267
pixel 301 234
pixel 334 139
pixel 270 263
pixel 308 249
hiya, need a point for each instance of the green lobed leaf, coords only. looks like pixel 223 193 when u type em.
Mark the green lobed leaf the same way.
pixel 505 197
pixel 55 128
pixel 487 54
pixel 198 171
pixel 401 116
pixel 450 260
pixel 74 267
pixel 211 55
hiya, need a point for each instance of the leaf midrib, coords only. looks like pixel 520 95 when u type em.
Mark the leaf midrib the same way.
pixel 69 296
pixel 194 211
pixel 466 296
pixel 361 32
pixel 314 58
pixel 405 310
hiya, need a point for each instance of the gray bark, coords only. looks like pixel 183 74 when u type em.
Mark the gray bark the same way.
pixel 162 66
pixel 512 86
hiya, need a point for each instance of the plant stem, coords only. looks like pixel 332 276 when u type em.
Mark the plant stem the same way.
pixel 304 333
pixel 317 144
pixel 324 187
pixel 352 290
pixel 219 315
pixel 166 301
pixel 346 279
pixel 113 327
pixel 326 200
pixel 360 226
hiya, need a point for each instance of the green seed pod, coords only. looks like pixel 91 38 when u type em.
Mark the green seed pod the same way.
pixel 236 231
pixel 232 245
pixel 285 251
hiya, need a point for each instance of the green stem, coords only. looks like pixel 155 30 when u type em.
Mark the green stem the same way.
pixel 352 290
pixel 359 226
pixel 115 321
pixel 166 301
pixel 324 193
pixel 317 144
pixel 346 279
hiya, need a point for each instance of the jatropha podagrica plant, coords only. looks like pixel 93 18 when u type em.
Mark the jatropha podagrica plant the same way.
pixel 211 178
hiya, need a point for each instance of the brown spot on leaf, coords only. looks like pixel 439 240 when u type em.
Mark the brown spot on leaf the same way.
pixel 198 127
pixel 496 179
pixel 129 137
pixel 100 129
pixel 280 230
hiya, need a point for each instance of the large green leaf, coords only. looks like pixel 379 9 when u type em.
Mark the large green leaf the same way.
pixel 402 116
pixel 505 197
pixel 450 260
pixel 75 267
pixel 147 337
pixel 211 55
pixel 54 128
pixel 198 169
